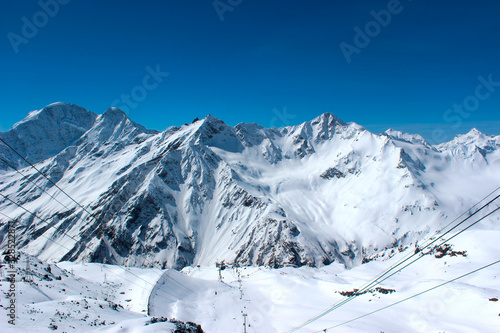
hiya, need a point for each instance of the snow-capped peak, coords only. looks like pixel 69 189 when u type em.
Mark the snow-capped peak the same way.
pixel 329 119
pixel 115 125
pixel 310 194
pixel 115 113
pixel 45 132
pixel 212 131
pixel 58 112
pixel 406 137
pixel 474 139
pixel 472 135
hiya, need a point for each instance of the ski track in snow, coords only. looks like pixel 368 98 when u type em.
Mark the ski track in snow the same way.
pixel 275 300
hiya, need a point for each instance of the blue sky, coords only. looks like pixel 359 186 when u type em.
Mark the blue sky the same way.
pixel 430 67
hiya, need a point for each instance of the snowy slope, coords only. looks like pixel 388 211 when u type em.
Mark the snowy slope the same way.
pixel 81 298
pixel 107 298
pixel 321 192
pixel 44 133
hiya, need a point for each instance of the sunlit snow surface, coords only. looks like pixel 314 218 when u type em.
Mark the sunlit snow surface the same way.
pixel 309 194
pixel 205 192
pixel 275 300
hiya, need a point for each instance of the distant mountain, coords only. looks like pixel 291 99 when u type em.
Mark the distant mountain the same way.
pixel 44 133
pixel 310 194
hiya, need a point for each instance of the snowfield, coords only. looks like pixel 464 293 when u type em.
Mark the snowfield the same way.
pixel 320 192
pixel 105 298
pixel 119 228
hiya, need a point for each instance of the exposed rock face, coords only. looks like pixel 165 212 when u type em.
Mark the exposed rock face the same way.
pixel 310 194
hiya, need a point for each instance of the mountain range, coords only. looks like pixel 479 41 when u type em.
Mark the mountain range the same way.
pixel 320 192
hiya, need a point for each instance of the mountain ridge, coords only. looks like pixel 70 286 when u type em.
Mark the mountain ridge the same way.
pixel 326 120
pixel 309 194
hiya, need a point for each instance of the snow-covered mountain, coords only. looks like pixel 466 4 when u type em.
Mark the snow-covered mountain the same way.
pixel 44 133
pixel 204 192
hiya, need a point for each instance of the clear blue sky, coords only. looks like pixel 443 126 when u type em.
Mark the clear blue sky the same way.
pixel 263 56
